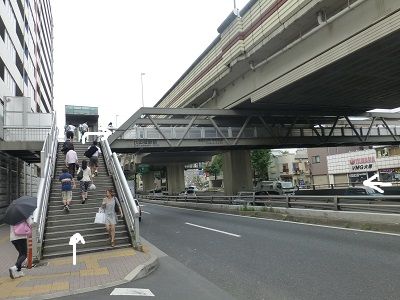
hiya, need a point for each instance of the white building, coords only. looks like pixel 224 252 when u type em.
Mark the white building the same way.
pixel 355 167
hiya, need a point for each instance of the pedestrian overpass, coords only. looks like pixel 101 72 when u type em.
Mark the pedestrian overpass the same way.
pixel 192 129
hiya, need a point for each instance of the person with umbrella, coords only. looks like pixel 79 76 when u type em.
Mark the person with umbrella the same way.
pixel 19 217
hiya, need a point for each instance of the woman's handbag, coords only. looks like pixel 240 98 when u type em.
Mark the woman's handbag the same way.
pixel 100 217
pixel 23 228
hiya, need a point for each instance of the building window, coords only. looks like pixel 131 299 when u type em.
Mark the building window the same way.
pixel 285 168
pixel 10 82
pixel 316 159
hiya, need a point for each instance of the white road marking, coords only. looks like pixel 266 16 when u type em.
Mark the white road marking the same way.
pixel 220 231
pixel 131 292
pixel 282 221
pixel 146 212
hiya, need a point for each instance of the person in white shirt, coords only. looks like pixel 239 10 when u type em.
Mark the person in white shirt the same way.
pixel 94 159
pixel 86 180
pixel 71 161
pixel 69 131
pixel 20 243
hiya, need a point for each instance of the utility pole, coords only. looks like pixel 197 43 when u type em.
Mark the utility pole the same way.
pixel 141 81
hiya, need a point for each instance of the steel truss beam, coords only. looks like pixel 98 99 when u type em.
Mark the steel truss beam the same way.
pixel 290 129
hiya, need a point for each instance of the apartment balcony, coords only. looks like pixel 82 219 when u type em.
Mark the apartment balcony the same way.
pixel 22 133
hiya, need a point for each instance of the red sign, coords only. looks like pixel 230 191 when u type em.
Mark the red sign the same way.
pixel 362 160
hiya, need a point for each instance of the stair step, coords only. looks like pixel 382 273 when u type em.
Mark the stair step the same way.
pixel 77 227
pixel 89 244
pixel 103 236
pixel 86 231
pixel 83 251
pixel 76 220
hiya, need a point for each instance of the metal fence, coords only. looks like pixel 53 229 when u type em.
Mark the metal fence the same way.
pixel 380 204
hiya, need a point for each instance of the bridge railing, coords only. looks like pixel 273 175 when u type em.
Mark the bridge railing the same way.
pixel 48 157
pixel 373 204
pixel 129 207
pixel 250 132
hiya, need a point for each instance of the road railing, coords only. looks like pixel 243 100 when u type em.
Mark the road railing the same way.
pixel 129 207
pixel 376 204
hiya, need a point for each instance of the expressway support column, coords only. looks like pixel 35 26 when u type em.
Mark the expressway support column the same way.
pixel 237 172
pixel 175 178
pixel 148 181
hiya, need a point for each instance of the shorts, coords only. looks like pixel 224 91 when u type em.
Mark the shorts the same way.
pixel 94 161
pixel 84 185
pixel 66 195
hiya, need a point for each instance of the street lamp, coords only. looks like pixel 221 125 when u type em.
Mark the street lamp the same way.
pixel 116 120
pixel 141 80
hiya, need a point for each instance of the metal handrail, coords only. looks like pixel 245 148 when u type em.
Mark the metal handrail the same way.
pixel 48 156
pixel 129 207
pixel 335 202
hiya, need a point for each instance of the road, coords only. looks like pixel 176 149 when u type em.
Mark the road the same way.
pixel 265 259
pixel 217 256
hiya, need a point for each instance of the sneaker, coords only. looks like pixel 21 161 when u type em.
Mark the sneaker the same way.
pixel 67 208
pixel 95 173
pixel 18 274
pixel 12 271
pixel 83 201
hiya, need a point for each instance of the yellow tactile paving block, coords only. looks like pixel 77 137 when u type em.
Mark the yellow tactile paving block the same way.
pixel 93 256
pixel 94 272
pixel 13 288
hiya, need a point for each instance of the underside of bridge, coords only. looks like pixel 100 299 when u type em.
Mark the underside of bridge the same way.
pixel 365 80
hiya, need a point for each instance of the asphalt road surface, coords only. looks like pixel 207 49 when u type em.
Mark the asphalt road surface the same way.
pixel 253 258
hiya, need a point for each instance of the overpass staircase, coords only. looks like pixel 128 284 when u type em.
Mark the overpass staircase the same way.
pixel 60 226
pixel 53 227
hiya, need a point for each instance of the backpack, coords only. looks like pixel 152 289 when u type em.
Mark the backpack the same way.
pixel 92 150
pixel 79 176
pixel 66 146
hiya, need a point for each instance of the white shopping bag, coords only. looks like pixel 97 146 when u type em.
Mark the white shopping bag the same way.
pixel 100 217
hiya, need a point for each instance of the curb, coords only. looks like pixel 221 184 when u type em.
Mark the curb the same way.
pixel 140 271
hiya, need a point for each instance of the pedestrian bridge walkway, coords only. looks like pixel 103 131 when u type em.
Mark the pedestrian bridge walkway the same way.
pixel 157 129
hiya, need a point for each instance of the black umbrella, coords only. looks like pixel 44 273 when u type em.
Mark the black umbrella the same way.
pixel 20 209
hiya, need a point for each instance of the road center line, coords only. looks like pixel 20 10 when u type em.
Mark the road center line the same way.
pixel 220 231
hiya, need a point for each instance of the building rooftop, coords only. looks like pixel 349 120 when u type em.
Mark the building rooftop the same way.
pixel 81 110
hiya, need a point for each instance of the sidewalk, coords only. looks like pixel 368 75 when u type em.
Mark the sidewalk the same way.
pixel 59 277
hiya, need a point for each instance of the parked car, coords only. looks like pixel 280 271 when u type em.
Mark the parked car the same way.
pixel 188 192
pixel 243 198
pixel 362 191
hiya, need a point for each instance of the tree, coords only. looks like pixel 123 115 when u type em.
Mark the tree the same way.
pixel 215 166
pixel 260 160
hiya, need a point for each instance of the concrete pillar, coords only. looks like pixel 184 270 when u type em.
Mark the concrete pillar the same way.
pixel 237 172
pixel 148 181
pixel 175 178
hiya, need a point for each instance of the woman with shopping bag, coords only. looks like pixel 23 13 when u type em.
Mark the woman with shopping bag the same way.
pixel 110 205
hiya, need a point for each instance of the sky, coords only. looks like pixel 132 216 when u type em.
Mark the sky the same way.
pixel 101 49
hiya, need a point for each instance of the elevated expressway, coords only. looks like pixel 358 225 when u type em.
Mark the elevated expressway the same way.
pixel 284 74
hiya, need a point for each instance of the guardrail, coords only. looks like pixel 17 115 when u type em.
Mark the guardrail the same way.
pixel 129 207
pixel 381 204
pixel 48 157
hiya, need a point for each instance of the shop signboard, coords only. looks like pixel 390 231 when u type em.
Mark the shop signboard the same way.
pixel 362 164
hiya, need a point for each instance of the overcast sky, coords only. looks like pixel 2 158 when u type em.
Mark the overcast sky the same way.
pixel 101 47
